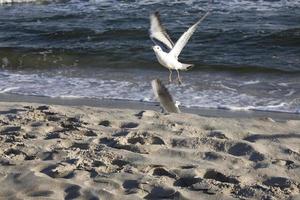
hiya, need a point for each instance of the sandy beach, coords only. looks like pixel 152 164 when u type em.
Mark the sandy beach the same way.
pixel 82 152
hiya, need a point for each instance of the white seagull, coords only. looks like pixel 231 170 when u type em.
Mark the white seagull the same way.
pixel 170 59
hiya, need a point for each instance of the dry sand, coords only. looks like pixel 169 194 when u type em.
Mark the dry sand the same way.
pixel 66 152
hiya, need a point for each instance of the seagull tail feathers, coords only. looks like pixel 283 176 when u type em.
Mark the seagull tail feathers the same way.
pixel 187 66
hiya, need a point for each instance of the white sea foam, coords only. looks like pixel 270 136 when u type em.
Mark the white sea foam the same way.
pixel 283 84
pixel 252 82
pixel 71 97
pixel 227 87
pixel 236 108
pixel 9 89
pixel 278 108
pixel 190 94
pixel 291 92
pixel 231 5
pixel 16 1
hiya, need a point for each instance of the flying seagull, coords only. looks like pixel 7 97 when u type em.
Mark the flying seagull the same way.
pixel 164 97
pixel 158 34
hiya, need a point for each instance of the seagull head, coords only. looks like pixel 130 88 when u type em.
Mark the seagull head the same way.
pixel 156 48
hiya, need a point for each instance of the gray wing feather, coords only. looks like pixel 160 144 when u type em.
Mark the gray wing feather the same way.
pixel 158 32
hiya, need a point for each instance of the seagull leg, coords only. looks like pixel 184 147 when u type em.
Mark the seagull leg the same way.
pixel 178 76
pixel 170 76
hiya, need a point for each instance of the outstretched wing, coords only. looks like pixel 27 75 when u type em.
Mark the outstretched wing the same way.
pixel 158 32
pixel 181 42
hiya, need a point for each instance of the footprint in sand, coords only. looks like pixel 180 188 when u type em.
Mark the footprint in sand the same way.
pixel 53 118
pixel 16 154
pixel 10 130
pixel 105 123
pixel 131 186
pixel 60 170
pixel 72 192
pixel 160 171
pixel 211 155
pixel 129 125
pixel 188 166
pixel 289 164
pixel 90 133
pixel 52 135
pixel 139 115
pixel 218 176
pixel 119 133
pixel 119 162
pixel 205 187
pixel 217 134
pixel 145 138
pixel 43 107
pixel 244 149
pixel 280 182
pixel 187 181
pixel 107 183
pixel 81 145
pixel 246 192
pixel 47 155
pixel 41 193
pixel 163 192
pixel 119 144
pixel 72 123
pixel 147 113
pixel 98 163
pixel 133 141
pixel 30 135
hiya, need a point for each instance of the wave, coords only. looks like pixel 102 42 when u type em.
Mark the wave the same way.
pixel 18 1
pixel 289 37
pixel 82 33
pixel 275 108
pixel 32 1
pixel 207 90
pixel 26 58
pixel 9 89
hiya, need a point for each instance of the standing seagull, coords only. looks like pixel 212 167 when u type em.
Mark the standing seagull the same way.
pixel 170 59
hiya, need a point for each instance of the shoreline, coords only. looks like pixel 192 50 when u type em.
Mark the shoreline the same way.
pixel 140 105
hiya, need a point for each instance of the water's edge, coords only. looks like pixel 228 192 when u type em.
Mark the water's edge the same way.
pixel 139 105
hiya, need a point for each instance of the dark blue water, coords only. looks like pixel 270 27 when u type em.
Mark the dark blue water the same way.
pixel 246 53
